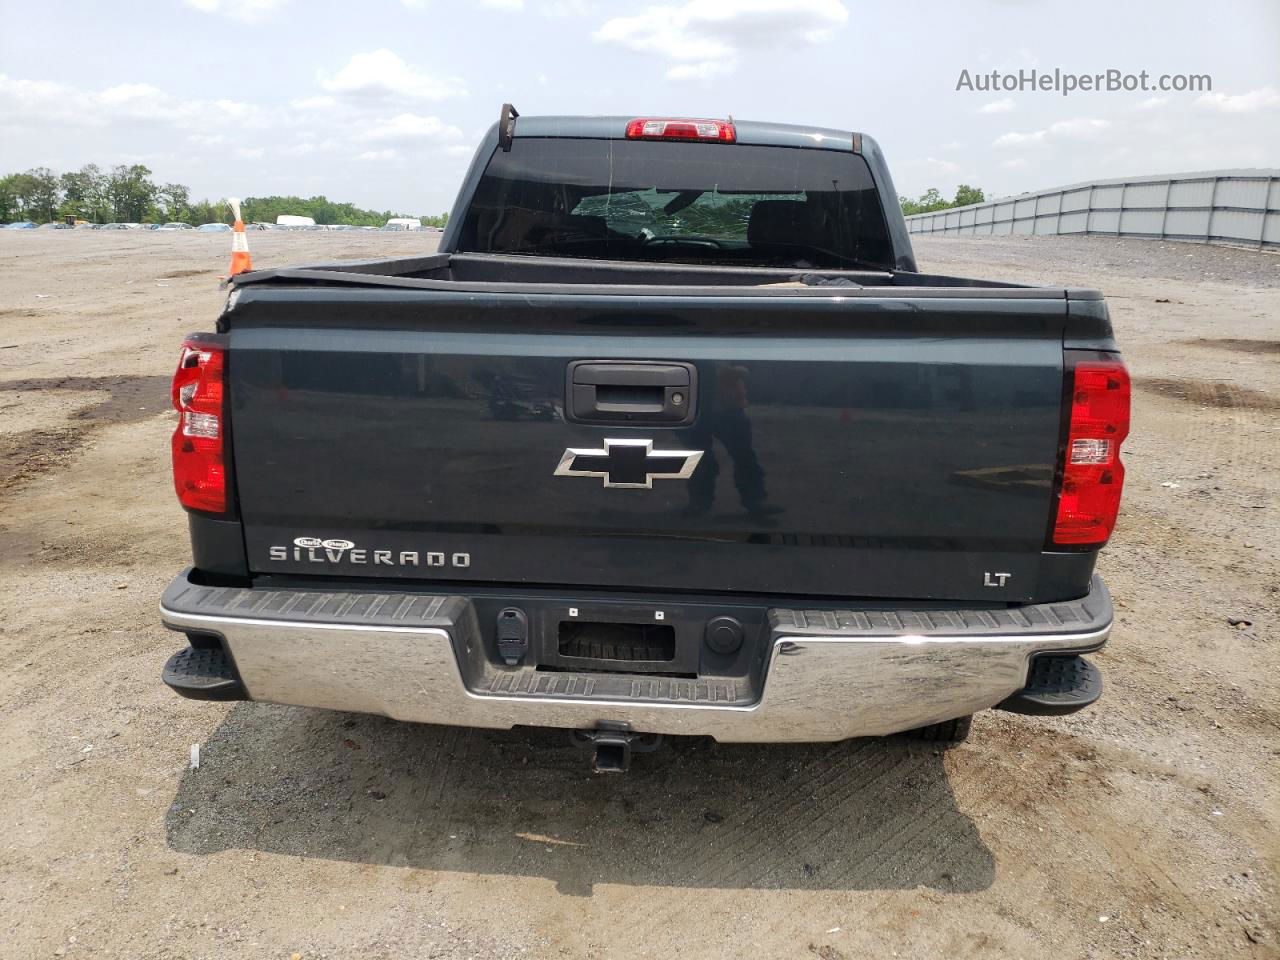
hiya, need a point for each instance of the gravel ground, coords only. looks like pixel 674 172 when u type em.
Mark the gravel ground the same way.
pixel 1145 827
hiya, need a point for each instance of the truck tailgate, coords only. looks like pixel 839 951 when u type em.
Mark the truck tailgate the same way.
pixel 851 446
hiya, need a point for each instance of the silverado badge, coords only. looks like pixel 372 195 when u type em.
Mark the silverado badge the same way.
pixel 629 464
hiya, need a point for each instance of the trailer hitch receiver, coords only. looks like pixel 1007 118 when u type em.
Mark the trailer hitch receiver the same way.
pixel 611 748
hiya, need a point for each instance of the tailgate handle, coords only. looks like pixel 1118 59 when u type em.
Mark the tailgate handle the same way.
pixel 633 392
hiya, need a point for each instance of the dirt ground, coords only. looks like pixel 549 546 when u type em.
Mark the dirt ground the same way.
pixel 1148 826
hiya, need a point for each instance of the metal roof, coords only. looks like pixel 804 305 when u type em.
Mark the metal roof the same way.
pixel 1235 173
pixel 747 131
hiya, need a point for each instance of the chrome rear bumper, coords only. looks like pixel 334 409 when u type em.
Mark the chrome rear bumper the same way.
pixel 827 675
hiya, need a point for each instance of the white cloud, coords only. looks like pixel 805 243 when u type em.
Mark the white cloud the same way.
pixel 1264 98
pixel 235 110
pixel 1004 105
pixel 381 75
pixel 952 146
pixel 510 6
pixel 314 103
pixel 1025 55
pixel 1017 163
pixel 246 11
pixel 409 128
pixel 302 142
pixel 1151 103
pixel 568 8
pixel 941 166
pixel 1081 128
pixel 703 38
pixel 1015 139
pixel 214 130
pixel 700 71
pixel 39 103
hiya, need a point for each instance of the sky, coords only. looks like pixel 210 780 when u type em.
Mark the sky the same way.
pixel 381 102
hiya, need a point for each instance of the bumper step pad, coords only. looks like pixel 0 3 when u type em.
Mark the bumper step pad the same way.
pixel 1056 685
pixel 203 674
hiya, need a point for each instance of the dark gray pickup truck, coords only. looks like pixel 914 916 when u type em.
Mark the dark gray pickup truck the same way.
pixel 669 437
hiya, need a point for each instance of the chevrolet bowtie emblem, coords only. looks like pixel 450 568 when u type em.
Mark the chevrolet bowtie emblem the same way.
pixel 629 464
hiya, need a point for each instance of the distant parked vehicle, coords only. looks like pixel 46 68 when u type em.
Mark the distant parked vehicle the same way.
pixel 175 225
pixel 21 225
pixel 213 228
pixel 403 223
pixel 289 220
pixel 55 225
pixel 85 225
pixel 114 226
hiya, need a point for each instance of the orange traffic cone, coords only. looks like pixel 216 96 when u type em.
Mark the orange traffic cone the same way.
pixel 240 262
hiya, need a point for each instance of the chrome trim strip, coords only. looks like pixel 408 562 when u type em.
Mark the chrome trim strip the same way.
pixel 178 618
pixel 1084 640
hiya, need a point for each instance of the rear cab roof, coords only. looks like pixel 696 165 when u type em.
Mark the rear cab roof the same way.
pixel 752 132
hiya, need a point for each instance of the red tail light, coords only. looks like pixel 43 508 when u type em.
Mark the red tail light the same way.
pixel 655 128
pixel 1092 475
pixel 199 468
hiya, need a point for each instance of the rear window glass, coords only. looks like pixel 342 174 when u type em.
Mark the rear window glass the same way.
pixel 687 202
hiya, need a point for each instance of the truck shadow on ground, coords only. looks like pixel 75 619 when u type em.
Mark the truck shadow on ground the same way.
pixel 860 815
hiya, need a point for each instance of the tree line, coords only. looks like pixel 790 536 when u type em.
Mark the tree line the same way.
pixel 932 200
pixel 127 194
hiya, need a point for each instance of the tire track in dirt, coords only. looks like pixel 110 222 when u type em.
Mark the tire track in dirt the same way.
pixel 29 453
pixel 937 834
pixel 1208 393
pixel 990 786
pixel 786 805
pixel 831 795
pixel 1226 426
pixel 706 858
pixel 1254 347
pixel 903 841
pixel 838 801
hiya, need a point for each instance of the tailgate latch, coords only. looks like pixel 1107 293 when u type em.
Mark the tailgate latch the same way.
pixel 638 393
